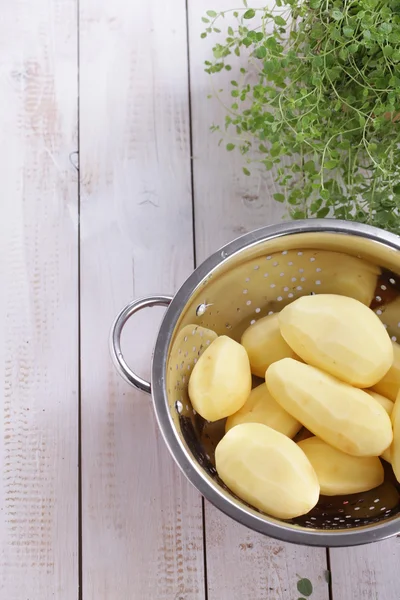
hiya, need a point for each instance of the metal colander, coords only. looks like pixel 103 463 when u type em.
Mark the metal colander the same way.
pixel 249 278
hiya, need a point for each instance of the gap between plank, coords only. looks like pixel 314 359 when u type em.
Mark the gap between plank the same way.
pixel 190 133
pixel 78 165
pixel 328 566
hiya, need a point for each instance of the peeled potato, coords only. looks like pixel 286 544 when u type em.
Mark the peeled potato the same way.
pixel 389 385
pixel 220 382
pixel 264 344
pixel 268 470
pixel 388 406
pixel 395 447
pixel 260 407
pixel 344 417
pixel 385 402
pixel 340 336
pixel 339 473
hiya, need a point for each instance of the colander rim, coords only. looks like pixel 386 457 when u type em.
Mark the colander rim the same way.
pixel 285 532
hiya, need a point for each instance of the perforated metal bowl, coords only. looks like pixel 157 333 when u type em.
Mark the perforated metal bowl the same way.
pixel 253 276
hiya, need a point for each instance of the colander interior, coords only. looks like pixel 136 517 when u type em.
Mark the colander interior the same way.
pixel 258 280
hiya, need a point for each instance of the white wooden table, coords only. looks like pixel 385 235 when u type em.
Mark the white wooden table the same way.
pixel 102 106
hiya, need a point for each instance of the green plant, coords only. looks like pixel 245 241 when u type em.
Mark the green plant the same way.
pixel 318 102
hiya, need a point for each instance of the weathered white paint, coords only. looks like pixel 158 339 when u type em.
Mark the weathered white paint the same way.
pixel 38 301
pixel 142 521
pixel 366 572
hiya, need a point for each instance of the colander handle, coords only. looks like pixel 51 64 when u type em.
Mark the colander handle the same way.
pixel 115 338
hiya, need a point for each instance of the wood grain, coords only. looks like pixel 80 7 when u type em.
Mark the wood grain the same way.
pixel 366 572
pixel 38 301
pixel 241 565
pixel 142 521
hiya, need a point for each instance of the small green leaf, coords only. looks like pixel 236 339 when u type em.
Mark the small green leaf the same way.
pixel 388 50
pixel 337 15
pixel 203 35
pixel 280 21
pixel 321 214
pixel 330 164
pixel 279 197
pixel 328 576
pixel 230 31
pixel 386 28
pixel 230 147
pixel 205 20
pixel 211 13
pixel 324 194
pixel 304 586
pixel 348 31
pixel 261 52
pixel 249 14
pixel 246 171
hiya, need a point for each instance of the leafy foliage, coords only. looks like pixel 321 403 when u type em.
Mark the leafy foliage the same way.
pixel 319 102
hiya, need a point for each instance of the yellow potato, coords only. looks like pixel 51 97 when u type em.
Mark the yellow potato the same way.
pixel 260 407
pixel 340 336
pixel 339 473
pixel 264 344
pixel 344 417
pixel 395 447
pixel 220 382
pixel 388 406
pixel 268 470
pixel 389 385
pixel 394 451
pixel 385 402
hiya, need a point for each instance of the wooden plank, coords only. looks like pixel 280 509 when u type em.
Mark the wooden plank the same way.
pixel 241 565
pixel 142 521
pixel 38 301
pixel 366 572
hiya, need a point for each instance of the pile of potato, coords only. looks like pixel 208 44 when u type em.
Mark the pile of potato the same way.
pixel 330 367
